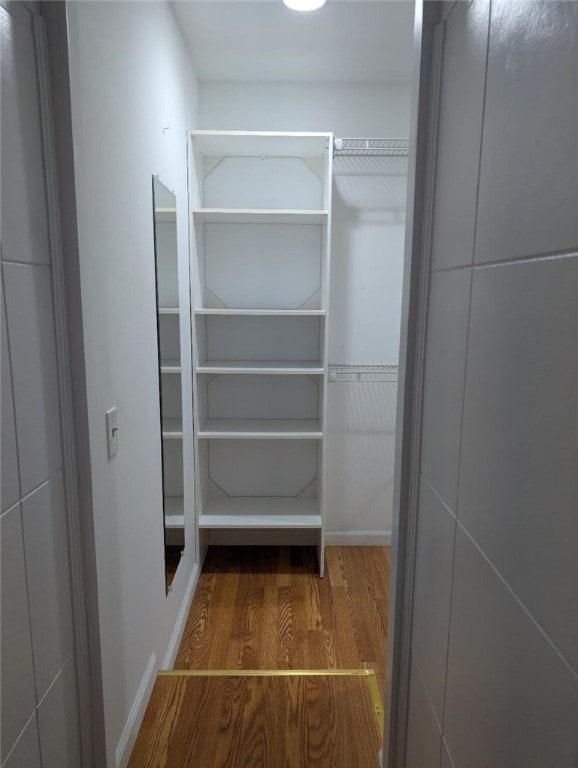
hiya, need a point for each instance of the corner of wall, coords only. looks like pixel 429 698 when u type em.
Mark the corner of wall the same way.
pixel 136 714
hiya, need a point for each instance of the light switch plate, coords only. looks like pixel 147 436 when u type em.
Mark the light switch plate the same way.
pixel 112 432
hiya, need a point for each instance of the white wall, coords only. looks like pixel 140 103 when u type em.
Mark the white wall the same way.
pixel 366 275
pixel 134 94
pixel 347 110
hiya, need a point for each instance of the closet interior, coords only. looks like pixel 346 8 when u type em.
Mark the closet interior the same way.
pixel 296 206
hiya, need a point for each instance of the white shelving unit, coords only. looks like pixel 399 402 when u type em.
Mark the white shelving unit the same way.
pixel 261 312
pixel 260 240
pixel 168 320
pixel 297 367
pixel 174 513
pixel 253 429
pixel 262 216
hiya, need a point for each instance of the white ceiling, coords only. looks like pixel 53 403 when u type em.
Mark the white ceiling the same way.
pixel 262 40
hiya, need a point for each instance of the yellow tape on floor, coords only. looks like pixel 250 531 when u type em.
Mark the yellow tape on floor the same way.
pixel 268 672
pixel 376 700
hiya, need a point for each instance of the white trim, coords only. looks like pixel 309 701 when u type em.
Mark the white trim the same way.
pixel 141 700
pixel 428 45
pixel 325 296
pixel 417 384
pixel 357 538
pixel 136 714
pixel 179 627
pixel 70 473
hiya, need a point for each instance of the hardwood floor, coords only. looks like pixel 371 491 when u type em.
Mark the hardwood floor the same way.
pixel 265 608
pixel 264 722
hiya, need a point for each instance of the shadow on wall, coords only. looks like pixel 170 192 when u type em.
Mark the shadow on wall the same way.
pixel 366 282
pixel 367 259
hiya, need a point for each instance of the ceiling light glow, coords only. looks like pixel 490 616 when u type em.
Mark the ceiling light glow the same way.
pixel 304 5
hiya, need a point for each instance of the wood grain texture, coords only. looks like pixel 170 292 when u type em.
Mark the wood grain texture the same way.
pixel 249 722
pixel 266 608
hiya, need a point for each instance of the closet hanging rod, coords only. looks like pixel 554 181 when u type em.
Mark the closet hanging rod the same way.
pixel 366 147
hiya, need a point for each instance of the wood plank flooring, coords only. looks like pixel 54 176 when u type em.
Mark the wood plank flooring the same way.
pixel 258 722
pixel 265 608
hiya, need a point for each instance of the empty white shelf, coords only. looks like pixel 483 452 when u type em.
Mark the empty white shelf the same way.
pixel 255 429
pixel 314 367
pixel 260 512
pixel 165 215
pixel 259 216
pixel 262 312
pixel 171 366
pixel 168 310
pixel 259 143
pixel 174 512
pixel 172 429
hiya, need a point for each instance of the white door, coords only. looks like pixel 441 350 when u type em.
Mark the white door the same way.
pixel 493 647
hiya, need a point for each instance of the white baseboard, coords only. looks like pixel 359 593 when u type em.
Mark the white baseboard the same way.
pixel 179 627
pixel 139 705
pixel 357 538
pixel 136 714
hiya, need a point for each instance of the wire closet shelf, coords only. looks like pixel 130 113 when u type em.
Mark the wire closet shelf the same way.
pixel 363 373
pixel 370 147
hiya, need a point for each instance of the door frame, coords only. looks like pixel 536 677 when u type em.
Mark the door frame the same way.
pixel 427 60
pixel 50 41
pixel 427 49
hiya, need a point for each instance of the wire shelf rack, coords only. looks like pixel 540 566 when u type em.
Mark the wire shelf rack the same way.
pixel 363 373
pixel 370 147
